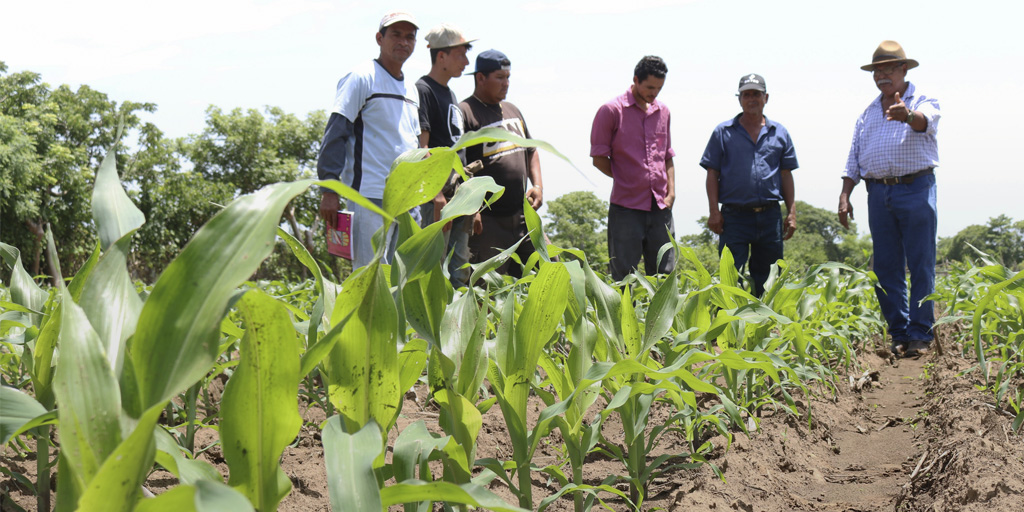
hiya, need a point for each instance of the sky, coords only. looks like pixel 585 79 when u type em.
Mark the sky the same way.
pixel 569 57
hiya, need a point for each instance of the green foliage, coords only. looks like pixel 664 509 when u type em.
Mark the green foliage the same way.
pixel 578 220
pixel 1001 238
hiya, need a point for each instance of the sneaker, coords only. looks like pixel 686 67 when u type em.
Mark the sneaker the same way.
pixel 919 348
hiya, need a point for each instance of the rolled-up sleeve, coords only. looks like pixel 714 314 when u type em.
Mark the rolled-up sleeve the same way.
pixel 929 108
pixel 602 132
pixel 852 160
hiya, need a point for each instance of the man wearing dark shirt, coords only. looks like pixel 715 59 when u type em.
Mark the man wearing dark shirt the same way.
pixel 749 161
pixel 503 224
pixel 441 125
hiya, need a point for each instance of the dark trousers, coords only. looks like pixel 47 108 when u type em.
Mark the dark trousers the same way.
pixel 756 236
pixel 499 233
pixel 635 233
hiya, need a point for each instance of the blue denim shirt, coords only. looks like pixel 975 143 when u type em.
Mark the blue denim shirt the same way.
pixel 749 173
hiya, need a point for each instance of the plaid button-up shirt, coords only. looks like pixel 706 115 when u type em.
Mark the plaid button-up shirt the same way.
pixel 885 149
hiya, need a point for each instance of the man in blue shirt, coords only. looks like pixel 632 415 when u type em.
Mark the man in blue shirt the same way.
pixel 750 160
pixel 895 151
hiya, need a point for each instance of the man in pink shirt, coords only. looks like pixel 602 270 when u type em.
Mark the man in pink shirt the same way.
pixel 630 142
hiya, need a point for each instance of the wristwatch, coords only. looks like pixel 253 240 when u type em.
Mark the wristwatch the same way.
pixel 910 117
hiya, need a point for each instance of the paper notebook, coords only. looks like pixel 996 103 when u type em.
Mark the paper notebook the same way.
pixel 339 241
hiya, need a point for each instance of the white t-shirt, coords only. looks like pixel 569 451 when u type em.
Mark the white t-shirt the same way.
pixel 385 119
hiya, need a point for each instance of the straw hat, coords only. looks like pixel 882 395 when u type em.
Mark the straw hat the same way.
pixel 889 52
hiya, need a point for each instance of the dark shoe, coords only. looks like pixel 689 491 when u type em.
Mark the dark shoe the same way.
pixel 899 348
pixel 919 348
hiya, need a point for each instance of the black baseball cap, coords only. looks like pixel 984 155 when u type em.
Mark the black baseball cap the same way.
pixel 753 81
pixel 492 60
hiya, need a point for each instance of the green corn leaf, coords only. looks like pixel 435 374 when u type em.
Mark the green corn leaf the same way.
pixel 630 325
pixel 414 445
pixel 16 410
pixel 324 288
pixel 414 180
pixel 24 290
pixel 78 282
pixel 115 214
pixel 111 303
pixel 87 394
pixel 177 336
pixel 117 485
pixel 661 311
pixel 259 410
pixel 536 230
pixel 202 496
pixel 188 471
pixel 349 459
pixel 362 368
pixel 468 494
pixel 411 361
pixel 425 300
pixel 981 309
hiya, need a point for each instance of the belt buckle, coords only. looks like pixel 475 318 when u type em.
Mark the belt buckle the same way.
pixel 891 181
pixel 758 209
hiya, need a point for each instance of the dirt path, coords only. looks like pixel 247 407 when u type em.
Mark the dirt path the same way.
pixel 914 440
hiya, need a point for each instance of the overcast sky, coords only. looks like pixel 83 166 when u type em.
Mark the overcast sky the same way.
pixel 570 56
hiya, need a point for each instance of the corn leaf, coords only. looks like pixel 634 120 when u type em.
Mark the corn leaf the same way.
pixel 362 367
pixel 111 303
pixel 118 483
pixel 88 400
pixel 115 214
pixel 468 494
pixel 349 459
pixel 16 410
pixel 259 410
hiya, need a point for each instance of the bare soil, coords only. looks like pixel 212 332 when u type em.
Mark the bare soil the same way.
pixel 918 436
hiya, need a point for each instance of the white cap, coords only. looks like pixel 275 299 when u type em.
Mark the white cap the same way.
pixel 394 17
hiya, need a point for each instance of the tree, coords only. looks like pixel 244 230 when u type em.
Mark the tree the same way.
pixel 247 150
pixel 579 219
pixel 51 141
pixel 1001 238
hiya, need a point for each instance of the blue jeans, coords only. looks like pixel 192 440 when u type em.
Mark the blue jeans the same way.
pixel 756 236
pixel 904 222
pixel 364 224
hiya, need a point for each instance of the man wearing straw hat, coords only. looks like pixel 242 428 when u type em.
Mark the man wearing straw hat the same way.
pixel 895 152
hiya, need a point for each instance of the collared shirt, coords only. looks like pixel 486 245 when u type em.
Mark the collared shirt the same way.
pixel 749 172
pixel 885 149
pixel 638 143
pixel 385 123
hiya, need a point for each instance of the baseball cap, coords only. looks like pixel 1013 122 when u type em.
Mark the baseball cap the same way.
pixel 445 36
pixel 753 81
pixel 394 17
pixel 491 60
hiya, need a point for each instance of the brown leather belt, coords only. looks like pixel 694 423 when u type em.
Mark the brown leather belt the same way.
pixel 905 179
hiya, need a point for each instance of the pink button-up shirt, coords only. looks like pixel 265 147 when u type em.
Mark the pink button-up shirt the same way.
pixel 638 144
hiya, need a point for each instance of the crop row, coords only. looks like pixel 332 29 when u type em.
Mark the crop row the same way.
pixel 118 373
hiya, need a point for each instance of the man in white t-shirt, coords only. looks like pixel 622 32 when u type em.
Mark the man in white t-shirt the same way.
pixel 374 119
